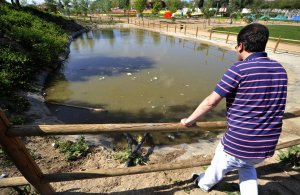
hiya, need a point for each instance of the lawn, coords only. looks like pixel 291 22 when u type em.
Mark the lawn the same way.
pixel 285 31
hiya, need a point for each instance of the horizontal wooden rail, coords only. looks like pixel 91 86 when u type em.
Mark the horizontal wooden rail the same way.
pixel 112 172
pixel 13 181
pixel 58 177
pixel 76 129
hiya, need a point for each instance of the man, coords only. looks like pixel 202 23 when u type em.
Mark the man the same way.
pixel 255 89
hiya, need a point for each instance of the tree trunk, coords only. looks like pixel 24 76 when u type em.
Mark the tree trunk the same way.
pixel 18 3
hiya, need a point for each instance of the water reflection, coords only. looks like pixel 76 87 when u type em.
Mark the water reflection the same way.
pixel 156 38
pixel 84 68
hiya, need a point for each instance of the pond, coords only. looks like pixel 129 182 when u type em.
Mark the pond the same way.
pixel 137 76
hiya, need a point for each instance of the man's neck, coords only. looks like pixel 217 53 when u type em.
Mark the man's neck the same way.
pixel 245 54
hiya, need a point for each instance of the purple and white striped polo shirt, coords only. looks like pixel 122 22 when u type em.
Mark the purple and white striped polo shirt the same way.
pixel 255 91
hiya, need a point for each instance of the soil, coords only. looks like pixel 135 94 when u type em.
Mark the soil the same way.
pixel 273 177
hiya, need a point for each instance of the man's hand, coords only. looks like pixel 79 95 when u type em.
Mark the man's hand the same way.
pixel 205 106
pixel 186 122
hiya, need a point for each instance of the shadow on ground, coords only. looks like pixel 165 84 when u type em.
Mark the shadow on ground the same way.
pixel 274 178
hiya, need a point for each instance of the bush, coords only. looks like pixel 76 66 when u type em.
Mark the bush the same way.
pixel 73 150
pixel 4 159
pixel 291 157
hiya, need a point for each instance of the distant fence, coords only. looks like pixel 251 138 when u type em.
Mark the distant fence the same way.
pixel 277 44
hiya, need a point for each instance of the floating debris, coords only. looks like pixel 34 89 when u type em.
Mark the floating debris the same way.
pixel 182 94
pixel 155 78
pixel 153 107
pixel 101 78
pixel 171 136
pixel 128 73
pixel 187 85
pixel 133 78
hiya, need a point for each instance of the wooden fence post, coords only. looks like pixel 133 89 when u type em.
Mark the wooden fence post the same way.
pixel 211 32
pixel 227 37
pixel 279 38
pixel 185 30
pixel 197 32
pixel 18 153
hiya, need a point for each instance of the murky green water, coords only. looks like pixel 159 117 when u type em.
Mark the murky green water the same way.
pixel 138 76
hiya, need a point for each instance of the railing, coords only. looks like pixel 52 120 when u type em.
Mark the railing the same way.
pixel 196 30
pixel 16 150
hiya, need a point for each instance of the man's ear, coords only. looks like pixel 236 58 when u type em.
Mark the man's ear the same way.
pixel 241 48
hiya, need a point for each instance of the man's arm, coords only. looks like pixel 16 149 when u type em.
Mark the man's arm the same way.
pixel 205 106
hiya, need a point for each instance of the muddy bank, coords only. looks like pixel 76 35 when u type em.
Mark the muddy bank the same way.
pixel 38 112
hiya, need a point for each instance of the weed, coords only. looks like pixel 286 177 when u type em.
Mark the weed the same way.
pixel 124 155
pixel 17 104
pixel 18 120
pixel 291 157
pixel 5 160
pixel 204 167
pixel 25 190
pixel 73 150
pixel 232 193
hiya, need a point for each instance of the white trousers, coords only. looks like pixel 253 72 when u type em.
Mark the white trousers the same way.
pixel 222 163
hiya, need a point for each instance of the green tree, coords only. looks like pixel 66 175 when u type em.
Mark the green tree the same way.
pixel 76 9
pixel 207 12
pixel 51 5
pixel 83 6
pixel 124 4
pixel 66 4
pixel 140 6
pixel 286 4
pixel 174 5
pixel 157 6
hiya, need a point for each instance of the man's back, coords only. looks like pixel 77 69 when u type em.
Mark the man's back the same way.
pixel 255 97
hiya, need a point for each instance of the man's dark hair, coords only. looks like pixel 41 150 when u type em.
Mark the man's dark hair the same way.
pixel 254 37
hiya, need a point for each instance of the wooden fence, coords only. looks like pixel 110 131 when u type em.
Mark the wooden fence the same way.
pixel 16 150
pixel 199 30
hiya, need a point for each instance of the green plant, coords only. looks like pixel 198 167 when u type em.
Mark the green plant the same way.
pixel 17 104
pixel 25 190
pixel 157 6
pixel 31 41
pixel 140 5
pixel 5 160
pixel 124 155
pixel 18 120
pixel 291 156
pixel 173 5
pixel 232 193
pixel 73 150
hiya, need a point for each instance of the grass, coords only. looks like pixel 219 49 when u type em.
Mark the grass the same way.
pixel 285 31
